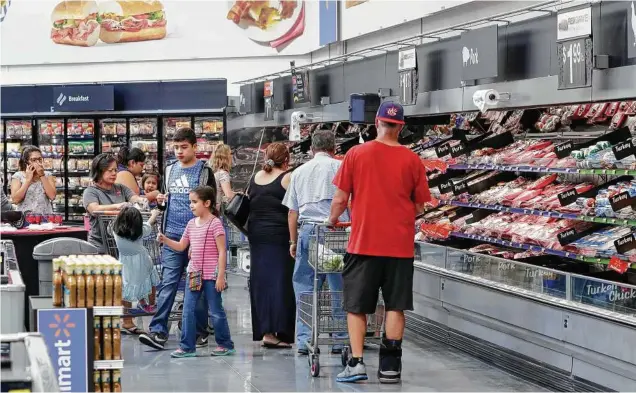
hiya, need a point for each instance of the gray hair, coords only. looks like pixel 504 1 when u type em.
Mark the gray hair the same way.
pixel 323 140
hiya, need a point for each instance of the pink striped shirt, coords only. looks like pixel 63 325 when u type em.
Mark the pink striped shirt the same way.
pixel 204 255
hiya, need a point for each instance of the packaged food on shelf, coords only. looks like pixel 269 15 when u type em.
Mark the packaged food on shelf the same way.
pixel 116 380
pixel 116 334
pixel 97 381
pixel 106 374
pixel 97 337
pixel 107 338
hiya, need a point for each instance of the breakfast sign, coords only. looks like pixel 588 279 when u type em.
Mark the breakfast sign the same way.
pixel 73 31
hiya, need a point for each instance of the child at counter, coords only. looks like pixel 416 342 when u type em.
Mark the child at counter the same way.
pixel 139 274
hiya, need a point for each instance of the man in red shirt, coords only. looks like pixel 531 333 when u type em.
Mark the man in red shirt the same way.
pixel 388 187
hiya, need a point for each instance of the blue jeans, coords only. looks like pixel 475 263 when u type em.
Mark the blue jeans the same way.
pixel 219 319
pixel 173 265
pixel 304 282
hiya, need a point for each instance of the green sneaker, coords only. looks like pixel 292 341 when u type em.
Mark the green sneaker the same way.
pixel 180 354
pixel 220 351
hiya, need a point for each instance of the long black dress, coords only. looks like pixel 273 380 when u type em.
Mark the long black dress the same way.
pixel 271 288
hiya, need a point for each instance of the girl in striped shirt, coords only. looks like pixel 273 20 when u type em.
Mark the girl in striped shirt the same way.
pixel 205 236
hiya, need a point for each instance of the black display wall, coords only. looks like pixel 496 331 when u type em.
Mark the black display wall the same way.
pixel 527 50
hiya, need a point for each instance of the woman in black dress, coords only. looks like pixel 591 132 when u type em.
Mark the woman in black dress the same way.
pixel 271 288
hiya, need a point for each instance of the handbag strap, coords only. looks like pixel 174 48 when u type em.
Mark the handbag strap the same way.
pixel 260 143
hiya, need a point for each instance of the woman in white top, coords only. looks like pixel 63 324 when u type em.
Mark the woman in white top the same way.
pixel 33 189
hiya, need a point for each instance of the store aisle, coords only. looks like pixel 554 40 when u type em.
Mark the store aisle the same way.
pixel 428 366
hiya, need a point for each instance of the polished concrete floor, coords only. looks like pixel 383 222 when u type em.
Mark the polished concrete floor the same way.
pixel 428 366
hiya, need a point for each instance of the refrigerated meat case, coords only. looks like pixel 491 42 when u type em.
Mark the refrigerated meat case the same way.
pixel 70 143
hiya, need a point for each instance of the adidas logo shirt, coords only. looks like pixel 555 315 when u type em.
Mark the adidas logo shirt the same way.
pixel 181 182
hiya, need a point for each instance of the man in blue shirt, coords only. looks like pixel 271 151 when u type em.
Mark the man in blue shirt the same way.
pixel 180 177
pixel 308 198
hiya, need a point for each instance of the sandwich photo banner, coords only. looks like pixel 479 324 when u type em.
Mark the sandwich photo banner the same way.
pixel 94 31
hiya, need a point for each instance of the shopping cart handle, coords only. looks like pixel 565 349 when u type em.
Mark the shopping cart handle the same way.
pixel 341 225
pixel 107 213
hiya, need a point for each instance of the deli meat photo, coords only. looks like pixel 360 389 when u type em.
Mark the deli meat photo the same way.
pixel 75 23
pixel 129 21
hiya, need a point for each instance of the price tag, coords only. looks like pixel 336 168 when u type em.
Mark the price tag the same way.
pixel 624 149
pixel 618 265
pixel 625 243
pixel 566 236
pixel 442 150
pixel 564 149
pixel 575 63
pixel 567 197
pixel 459 188
pixel 619 201
pixel 445 187
pixel 458 150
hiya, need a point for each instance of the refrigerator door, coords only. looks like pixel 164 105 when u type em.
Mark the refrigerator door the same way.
pixel 51 141
pixel 113 135
pixel 143 135
pixel 3 159
pixel 80 145
pixel 170 126
pixel 209 132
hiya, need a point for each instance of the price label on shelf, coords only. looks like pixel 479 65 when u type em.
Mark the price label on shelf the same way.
pixel 575 63
pixel 446 186
pixel 567 236
pixel 625 243
pixel 442 150
pixel 564 149
pixel 567 197
pixel 459 188
pixel 619 201
pixel 618 265
pixel 458 150
pixel 624 149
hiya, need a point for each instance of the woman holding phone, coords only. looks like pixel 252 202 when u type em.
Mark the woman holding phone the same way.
pixel 33 189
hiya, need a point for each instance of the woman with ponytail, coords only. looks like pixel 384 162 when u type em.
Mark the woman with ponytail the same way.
pixel 271 290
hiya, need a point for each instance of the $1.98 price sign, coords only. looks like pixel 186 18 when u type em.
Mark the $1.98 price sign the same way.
pixel 575 63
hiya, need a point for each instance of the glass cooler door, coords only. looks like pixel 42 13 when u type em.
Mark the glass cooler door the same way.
pixel 18 133
pixel 209 132
pixel 170 126
pixel 80 137
pixel 143 135
pixel 51 142
pixel 113 135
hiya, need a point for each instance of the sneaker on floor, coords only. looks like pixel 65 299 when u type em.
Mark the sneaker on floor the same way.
pixel 202 341
pixel 154 340
pixel 180 354
pixel 353 374
pixel 390 370
pixel 147 308
pixel 220 351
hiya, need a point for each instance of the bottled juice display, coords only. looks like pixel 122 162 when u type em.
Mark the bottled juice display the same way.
pixel 89 269
pixel 116 338
pixel 97 381
pixel 81 284
pixel 117 284
pixel 107 347
pixel 58 292
pixel 97 337
pixel 99 284
pixel 105 380
pixel 116 381
pixel 70 285
pixel 108 283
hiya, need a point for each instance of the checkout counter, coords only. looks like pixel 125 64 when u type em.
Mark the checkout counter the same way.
pixel 12 291
pixel 566 331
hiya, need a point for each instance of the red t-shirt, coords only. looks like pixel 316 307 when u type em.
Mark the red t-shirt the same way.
pixel 385 183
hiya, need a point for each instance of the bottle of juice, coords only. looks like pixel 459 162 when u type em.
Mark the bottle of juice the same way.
pixel 116 381
pixel 97 337
pixel 81 284
pixel 116 332
pixel 90 283
pixel 99 284
pixel 108 283
pixel 107 348
pixel 70 286
pixel 58 291
pixel 117 284
pixel 97 381
pixel 105 380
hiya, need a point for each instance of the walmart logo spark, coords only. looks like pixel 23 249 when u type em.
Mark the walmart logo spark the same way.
pixel 62 325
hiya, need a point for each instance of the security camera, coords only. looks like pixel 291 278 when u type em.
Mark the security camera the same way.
pixel 294 129
pixel 487 99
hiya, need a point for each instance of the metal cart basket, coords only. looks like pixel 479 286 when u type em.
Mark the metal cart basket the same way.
pixel 322 309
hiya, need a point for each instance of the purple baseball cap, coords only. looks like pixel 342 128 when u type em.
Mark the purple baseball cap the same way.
pixel 391 112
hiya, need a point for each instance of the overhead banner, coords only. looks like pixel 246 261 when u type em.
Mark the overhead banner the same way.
pixel 83 98
pixel 58 32
pixel 576 23
pixel 328 19
pixel 480 53
pixel 300 85
pixel 407 75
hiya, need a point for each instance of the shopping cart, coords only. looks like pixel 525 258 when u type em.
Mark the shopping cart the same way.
pixel 105 220
pixel 321 310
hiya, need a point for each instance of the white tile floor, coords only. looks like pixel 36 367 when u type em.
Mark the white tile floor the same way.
pixel 427 366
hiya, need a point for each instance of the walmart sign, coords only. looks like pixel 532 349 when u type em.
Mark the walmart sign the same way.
pixel 65 332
